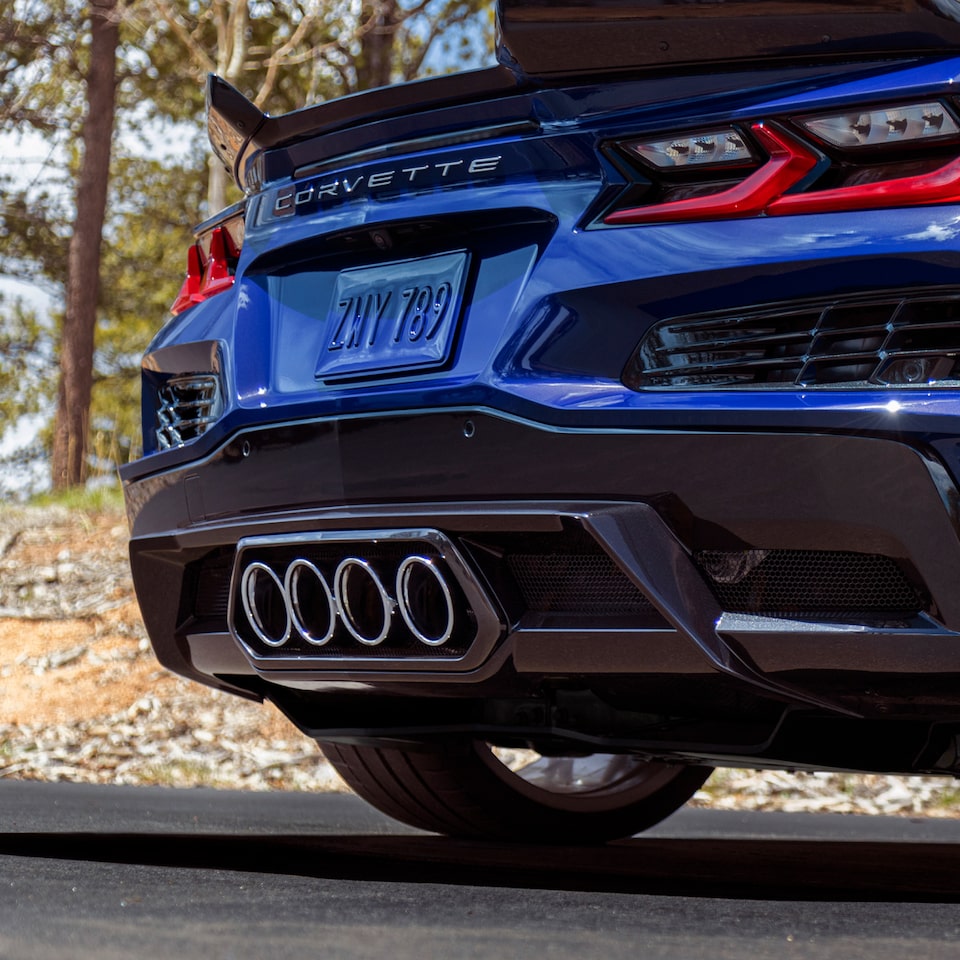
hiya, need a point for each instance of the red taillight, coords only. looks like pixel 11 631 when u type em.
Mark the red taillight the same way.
pixel 939 186
pixel 900 155
pixel 789 163
pixel 211 263
pixel 190 291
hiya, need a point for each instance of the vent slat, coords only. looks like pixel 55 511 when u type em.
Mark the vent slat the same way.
pixel 188 406
pixel 884 340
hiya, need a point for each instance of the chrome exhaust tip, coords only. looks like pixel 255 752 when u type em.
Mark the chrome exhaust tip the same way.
pixel 396 595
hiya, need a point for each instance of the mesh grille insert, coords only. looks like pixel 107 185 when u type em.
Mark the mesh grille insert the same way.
pixel 809 583
pixel 576 583
pixel 211 577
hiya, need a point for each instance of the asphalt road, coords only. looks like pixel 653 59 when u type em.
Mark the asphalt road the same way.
pixel 141 873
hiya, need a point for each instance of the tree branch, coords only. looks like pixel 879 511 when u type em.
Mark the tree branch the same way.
pixel 194 49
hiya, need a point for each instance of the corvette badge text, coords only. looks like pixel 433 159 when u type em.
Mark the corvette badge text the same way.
pixel 412 176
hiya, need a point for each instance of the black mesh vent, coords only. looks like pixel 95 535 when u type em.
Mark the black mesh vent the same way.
pixel 888 340
pixel 809 583
pixel 576 584
pixel 212 596
pixel 571 574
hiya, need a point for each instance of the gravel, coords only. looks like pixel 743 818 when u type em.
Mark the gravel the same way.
pixel 63 584
pixel 176 742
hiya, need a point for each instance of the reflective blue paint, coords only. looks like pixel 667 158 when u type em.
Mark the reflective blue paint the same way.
pixel 933 79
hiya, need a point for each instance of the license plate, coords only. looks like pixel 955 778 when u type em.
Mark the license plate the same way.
pixel 395 317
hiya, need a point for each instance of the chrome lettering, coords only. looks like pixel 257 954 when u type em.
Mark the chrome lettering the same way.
pixel 284 204
pixel 383 179
pixel 356 184
pixel 484 165
pixel 445 167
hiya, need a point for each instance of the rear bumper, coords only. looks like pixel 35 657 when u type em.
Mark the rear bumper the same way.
pixel 663 507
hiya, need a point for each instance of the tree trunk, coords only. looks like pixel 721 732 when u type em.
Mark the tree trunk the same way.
pixel 69 457
pixel 381 19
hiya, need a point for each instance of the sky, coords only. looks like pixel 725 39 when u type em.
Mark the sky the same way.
pixel 23 157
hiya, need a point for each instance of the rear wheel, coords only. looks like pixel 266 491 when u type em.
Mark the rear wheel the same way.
pixel 463 789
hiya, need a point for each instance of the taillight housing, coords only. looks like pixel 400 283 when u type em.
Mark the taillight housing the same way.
pixel 211 260
pixel 714 149
pixel 854 158
pixel 883 127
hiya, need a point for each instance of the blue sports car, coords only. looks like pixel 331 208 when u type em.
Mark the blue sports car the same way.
pixel 539 438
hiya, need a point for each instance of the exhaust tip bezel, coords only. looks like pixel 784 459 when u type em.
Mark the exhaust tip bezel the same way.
pixel 404 573
pixel 253 608
pixel 291 582
pixel 351 617
pixel 467 628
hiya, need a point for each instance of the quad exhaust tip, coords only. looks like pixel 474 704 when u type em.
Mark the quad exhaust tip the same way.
pixel 388 594
pixel 307 603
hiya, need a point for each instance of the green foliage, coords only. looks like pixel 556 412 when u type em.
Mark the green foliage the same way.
pixel 34 232
pixel 25 360
pixel 179 42
pixel 291 55
pixel 153 207
pixel 27 377
pixel 101 498
pixel 455 34
pixel 38 68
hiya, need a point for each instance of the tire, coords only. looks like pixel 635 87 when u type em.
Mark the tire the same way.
pixel 463 790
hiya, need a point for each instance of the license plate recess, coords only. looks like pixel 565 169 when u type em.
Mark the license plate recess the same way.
pixel 393 317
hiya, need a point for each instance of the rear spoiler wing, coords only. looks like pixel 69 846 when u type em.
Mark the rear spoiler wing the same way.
pixel 239 131
pixel 564 38
pixel 544 41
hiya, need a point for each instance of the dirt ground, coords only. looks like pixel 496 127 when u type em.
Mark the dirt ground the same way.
pixel 79 651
